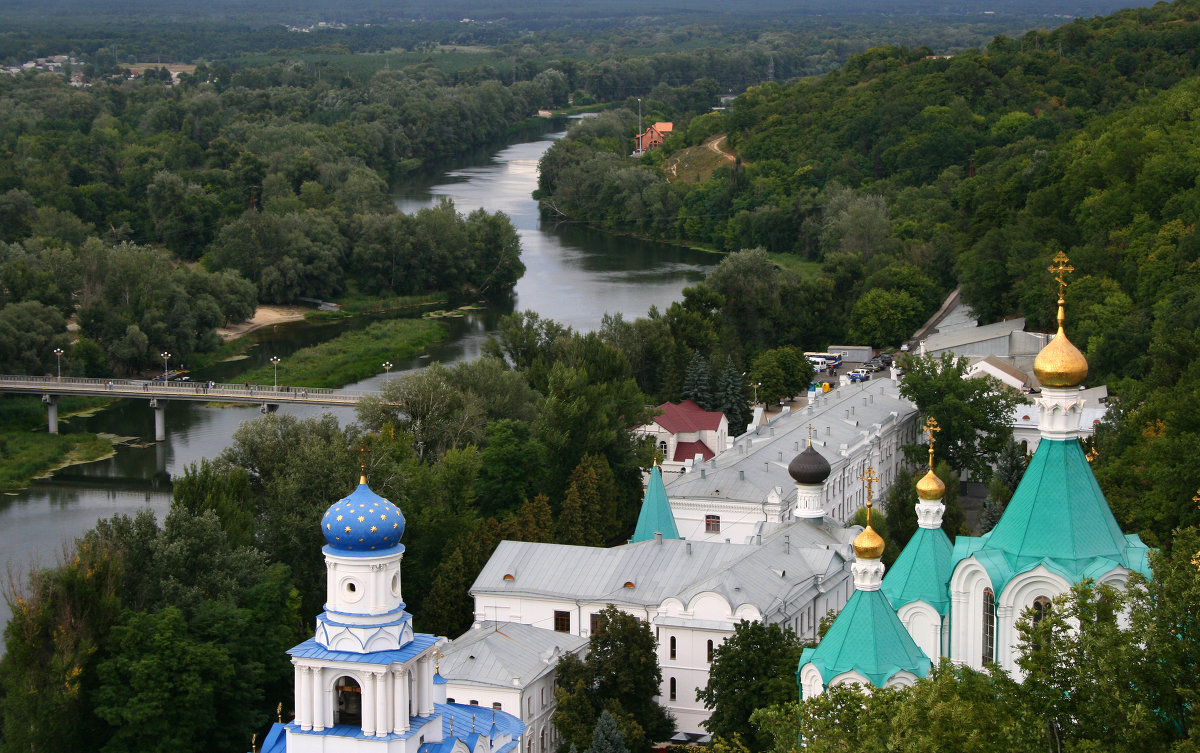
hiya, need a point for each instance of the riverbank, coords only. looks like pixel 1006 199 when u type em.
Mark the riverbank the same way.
pixel 352 356
pixel 264 316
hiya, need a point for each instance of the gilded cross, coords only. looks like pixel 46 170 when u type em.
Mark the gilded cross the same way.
pixel 931 426
pixel 1059 268
pixel 437 660
pixel 869 478
pixel 810 431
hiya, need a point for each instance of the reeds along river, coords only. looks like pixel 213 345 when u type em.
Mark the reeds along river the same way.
pixel 573 275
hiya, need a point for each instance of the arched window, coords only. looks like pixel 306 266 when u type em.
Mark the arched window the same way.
pixel 710 651
pixel 989 626
pixel 1041 608
pixel 672 647
pixel 349 702
pixel 663 447
pixel 672 688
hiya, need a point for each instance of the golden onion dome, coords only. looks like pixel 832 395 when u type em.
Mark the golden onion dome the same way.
pixel 868 545
pixel 1060 364
pixel 930 488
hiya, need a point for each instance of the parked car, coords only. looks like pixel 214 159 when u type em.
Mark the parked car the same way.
pixel 859 375
pixel 886 358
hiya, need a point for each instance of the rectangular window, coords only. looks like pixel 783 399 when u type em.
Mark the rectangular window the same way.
pixel 497 706
pixel 595 623
pixel 712 523
pixel 562 621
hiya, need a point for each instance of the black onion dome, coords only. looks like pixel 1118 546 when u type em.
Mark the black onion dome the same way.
pixel 809 467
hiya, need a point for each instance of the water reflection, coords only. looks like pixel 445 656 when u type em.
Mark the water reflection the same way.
pixel 573 275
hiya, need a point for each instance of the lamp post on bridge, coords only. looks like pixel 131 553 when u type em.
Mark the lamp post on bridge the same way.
pixel 387 369
pixel 165 357
pixel 275 363
pixel 58 353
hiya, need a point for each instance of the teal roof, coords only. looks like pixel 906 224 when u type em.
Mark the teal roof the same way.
pixel 656 514
pixel 1058 518
pixel 922 571
pixel 866 637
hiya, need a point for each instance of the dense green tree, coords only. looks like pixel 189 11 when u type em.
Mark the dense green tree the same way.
pixel 731 395
pixel 752 668
pixel 900 507
pixel 697 383
pixel 607 737
pixel 29 334
pixel 974 413
pixel 884 318
pixel 620 674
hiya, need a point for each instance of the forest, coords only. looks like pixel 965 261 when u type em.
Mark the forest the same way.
pixel 854 202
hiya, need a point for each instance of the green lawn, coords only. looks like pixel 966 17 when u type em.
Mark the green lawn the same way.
pixel 352 356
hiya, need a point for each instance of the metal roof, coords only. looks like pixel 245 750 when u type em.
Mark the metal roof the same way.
pixel 496 653
pixel 644 574
pixel 957 338
pixel 656 516
pixel 842 420
pixel 1057 517
pixel 867 637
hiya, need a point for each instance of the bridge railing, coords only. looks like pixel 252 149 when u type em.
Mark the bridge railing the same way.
pixel 244 390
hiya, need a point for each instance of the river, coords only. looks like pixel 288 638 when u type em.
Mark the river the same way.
pixel 573 275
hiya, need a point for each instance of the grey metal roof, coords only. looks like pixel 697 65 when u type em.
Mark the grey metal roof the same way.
pixel 957 338
pixel 646 573
pixel 496 653
pixel 842 420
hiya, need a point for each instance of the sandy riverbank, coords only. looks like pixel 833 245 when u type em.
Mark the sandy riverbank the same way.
pixel 264 316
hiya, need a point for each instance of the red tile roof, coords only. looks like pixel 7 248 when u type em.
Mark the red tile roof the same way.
pixel 689 450
pixel 687 416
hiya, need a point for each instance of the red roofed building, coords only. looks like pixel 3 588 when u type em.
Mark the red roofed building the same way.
pixel 653 137
pixel 684 430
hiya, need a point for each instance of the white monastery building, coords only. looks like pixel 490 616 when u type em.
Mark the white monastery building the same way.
pixel 736 495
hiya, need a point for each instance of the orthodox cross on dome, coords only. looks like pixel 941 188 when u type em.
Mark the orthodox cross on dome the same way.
pixel 931 426
pixel 1059 268
pixel 810 431
pixel 362 463
pixel 437 660
pixel 869 478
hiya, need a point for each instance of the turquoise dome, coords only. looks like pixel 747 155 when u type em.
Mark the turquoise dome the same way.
pixel 362 522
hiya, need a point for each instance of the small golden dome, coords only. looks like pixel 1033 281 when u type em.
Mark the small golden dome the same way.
pixel 930 488
pixel 868 545
pixel 1060 364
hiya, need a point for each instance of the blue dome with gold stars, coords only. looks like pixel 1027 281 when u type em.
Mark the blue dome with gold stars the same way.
pixel 363 522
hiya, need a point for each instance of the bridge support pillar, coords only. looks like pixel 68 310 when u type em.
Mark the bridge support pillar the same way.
pixel 160 419
pixel 51 402
pixel 268 408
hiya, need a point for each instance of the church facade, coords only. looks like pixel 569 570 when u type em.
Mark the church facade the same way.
pixel 965 600
pixel 366 681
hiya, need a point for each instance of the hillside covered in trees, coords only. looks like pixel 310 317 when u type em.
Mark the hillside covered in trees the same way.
pixel 877 187
pixel 904 174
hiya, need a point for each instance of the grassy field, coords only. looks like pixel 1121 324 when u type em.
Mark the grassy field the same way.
pixel 26 454
pixel 352 356
pixel 806 269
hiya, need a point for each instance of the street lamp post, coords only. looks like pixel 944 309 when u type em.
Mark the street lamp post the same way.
pixel 165 357
pixel 275 363
pixel 58 354
pixel 387 369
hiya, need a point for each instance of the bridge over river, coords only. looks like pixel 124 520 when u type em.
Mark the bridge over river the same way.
pixel 159 392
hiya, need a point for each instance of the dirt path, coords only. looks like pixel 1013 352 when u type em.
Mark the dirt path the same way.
pixel 715 145
pixel 264 316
